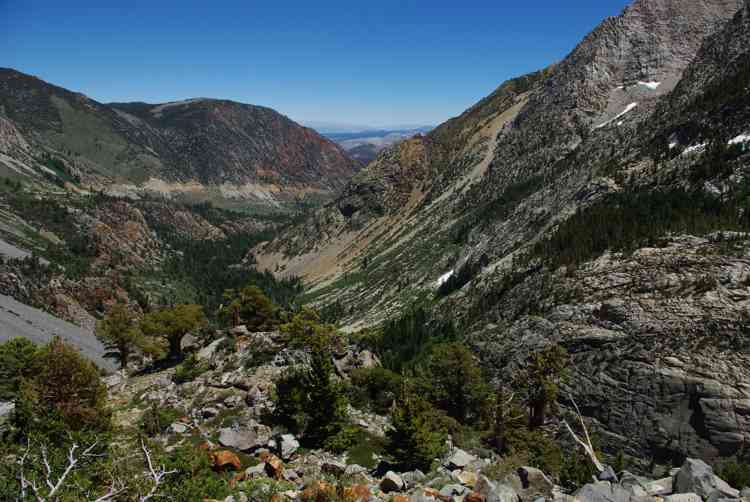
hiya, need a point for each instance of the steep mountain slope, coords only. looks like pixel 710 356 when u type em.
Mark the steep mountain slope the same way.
pixel 590 205
pixel 200 147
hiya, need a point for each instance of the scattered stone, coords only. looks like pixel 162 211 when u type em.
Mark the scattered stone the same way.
pixel 660 487
pixel 413 478
pixel 466 478
pixel 333 467
pixel 208 352
pixel 683 497
pixel 233 401
pixel 209 412
pixel 6 410
pixel 225 460
pixel 392 482
pixel 178 428
pixel 608 474
pixel 459 459
pixel 273 465
pixel 239 439
pixel 357 493
pixel 256 471
pixel 534 482
pixel 453 490
pixel 494 492
pixel 288 446
pixel 698 477
pixel 603 491
pixel 474 497
pixel 355 469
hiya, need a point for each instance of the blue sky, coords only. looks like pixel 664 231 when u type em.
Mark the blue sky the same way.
pixel 379 63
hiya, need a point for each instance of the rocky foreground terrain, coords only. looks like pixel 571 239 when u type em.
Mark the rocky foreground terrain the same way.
pixel 227 409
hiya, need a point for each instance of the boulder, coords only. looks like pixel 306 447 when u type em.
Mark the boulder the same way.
pixel 453 490
pixel 256 471
pixel 495 492
pixel 392 482
pixel 178 428
pixel 466 478
pixel 357 493
pixel 423 496
pixel 208 352
pixel 6 410
pixel 239 439
pixel 274 467
pixel 333 467
pixel 225 460
pixel 683 497
pixel 602 491
pixel 459 459
pixel 474 497
pixel 209 412
pixel 660 487
pixel 413 478
pixel 532 481
pixel 696 476
pixel 287 445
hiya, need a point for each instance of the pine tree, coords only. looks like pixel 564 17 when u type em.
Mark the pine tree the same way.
pixel 120 333
pixel 415 439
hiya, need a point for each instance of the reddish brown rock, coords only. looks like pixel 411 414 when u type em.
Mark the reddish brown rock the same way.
pixel 225 460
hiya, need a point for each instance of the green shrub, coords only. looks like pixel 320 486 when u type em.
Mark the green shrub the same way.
pixel 576 470
pixel 374 388
pixel 156 420
pixel 65 394
pixel 736 473
pixel 416 438
pixel 17 358
pixel 190 369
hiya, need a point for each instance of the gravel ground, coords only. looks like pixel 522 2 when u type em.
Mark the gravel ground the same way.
pixel 17 319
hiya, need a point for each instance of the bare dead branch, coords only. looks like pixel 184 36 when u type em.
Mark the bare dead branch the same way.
pixel 586 445
pixel 156 475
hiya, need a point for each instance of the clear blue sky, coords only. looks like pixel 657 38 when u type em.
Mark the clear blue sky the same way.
pixel 377 63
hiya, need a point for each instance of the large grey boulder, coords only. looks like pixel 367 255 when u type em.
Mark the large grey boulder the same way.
pixel 495 492
pixel 698 477
pixel 392 482
pixel 287 445
pixel 459 459
pixel 454 490
pixel 413 478
pixel 683 497
pixel 244 439
pixel 603 491
pixel 530 482
pixel 660 487
pixel 6 410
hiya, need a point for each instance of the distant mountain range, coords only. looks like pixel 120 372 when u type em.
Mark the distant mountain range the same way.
pixel 198 148
pixel 366 144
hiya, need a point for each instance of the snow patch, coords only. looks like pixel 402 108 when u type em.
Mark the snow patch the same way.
pixel 742 138
pixel 650 85
pixel 673 145
pixel 694 149
pixel 444 278
pixel 619 115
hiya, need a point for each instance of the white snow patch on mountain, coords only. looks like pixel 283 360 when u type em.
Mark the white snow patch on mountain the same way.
pixel 650 85
pixel 444 278
pixel 619 115
pixel 742 138
pixel 694 149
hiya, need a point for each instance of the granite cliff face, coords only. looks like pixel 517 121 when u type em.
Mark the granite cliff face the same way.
pixel 199 148
pixel 597 204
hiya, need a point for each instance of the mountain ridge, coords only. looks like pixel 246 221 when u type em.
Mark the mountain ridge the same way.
pixel 256 152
